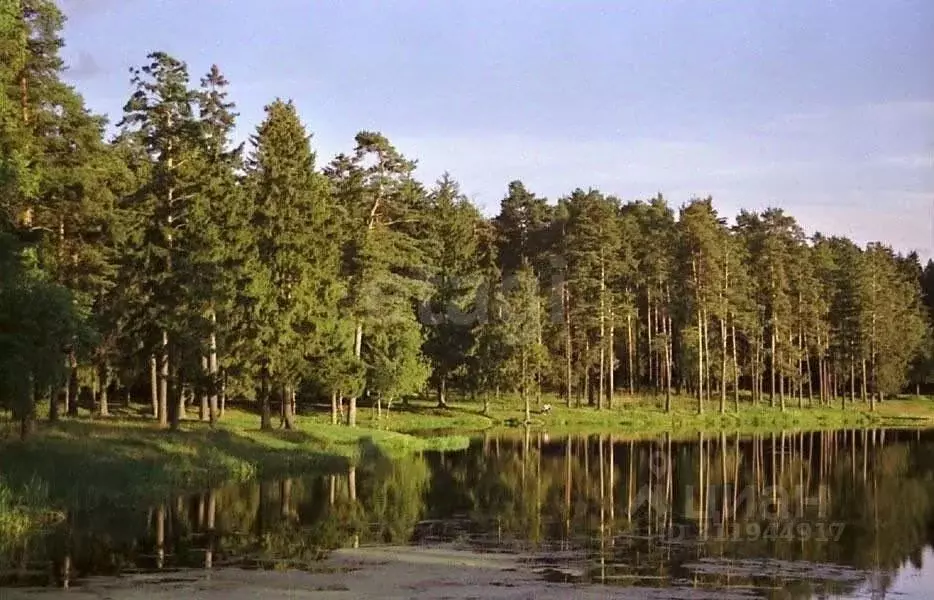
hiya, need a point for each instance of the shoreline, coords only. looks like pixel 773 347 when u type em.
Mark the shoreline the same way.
pixel 84 463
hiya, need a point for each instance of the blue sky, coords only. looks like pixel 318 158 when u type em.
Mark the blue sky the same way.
pixel 825 108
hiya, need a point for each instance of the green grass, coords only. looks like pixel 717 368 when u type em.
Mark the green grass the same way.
pixel 127 459
pixel 645 416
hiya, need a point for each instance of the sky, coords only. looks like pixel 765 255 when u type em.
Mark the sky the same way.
pixel 823 108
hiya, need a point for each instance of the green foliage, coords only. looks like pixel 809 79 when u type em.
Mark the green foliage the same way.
pixel 253 277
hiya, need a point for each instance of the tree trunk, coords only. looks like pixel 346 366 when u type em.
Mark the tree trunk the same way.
pixel 723 349
pixel 735 365
pixel 773 365
pixel 569 371
pixel 648 333
pixel 54 399
pixel 72 384
pixel 154 385
pixel 588 396
pixel 667 377
pixel 525 392
pixel 358 349
pixel 700 362
pixel 611 372
pixel 164 381
pixel 27 410
pixel 288 416
pixel 333 408
pixel 442 391
pixel 265 401
pixel 176 395
pixel 864 387
pixel 809 374
pixel 103 404
pixel 852 381
pixel 223 398
pixel 601 382
pixel 352 411
pixel 781 391
pixel 629 355
pixel 706 360
pixel 204 408
pixel 212 371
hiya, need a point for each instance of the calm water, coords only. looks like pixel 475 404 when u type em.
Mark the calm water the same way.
pixel 834 514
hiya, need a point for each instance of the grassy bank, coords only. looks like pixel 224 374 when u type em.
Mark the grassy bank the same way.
pixel 127 459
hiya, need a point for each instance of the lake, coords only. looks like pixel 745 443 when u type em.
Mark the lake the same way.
pixel 841 514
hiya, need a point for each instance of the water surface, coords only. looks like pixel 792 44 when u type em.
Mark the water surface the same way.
pixel 845 514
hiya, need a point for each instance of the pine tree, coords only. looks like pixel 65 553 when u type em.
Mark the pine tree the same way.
pixel 160 117
pixel 593 249
pixel 705 267
pixel 382 261
pixel 217 239
pixel 449 316
pixel 295 262
pixel 520 335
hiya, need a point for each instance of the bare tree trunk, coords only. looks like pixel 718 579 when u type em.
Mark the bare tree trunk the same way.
pixel 735 365
pixel 333 408
pixel 154 386
pixel 648 333
pixel 288 416
pixel 103 405
pixel 204 408
pixel 442 391
pixel 723 359
pixel 772 370
pixel 164 381
pixel 757 372
pixel 809 373
pixel 212 371
pixel 223 398
pixel 601 382
pixel 569 371
pixel 706 360
pixel 611 391
pixel 629 355
pixel 588 396
pixel 852 381
pixel 667 376
pixel 55 397
pixel 864 387
pixel 72 384
pixel 265 408
pixel 352 401
pixel 700 362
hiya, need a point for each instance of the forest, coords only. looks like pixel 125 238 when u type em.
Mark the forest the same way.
pixel 151 261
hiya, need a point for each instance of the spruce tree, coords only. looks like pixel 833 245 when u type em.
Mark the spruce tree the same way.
pixel 294 266
pixel 449 319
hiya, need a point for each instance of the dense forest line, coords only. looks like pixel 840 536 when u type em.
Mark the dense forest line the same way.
pixel 169 263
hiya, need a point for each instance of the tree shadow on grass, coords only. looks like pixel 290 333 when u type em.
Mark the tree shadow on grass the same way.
pixel 84 463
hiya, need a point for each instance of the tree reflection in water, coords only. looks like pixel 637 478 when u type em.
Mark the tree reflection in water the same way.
pixel 811 513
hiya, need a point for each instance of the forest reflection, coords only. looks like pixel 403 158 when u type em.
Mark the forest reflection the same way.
pixel 803 514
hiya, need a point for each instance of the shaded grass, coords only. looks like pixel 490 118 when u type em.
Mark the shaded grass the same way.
pixel 127 459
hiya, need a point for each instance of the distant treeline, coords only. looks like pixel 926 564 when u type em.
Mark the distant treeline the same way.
pixel 169 262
